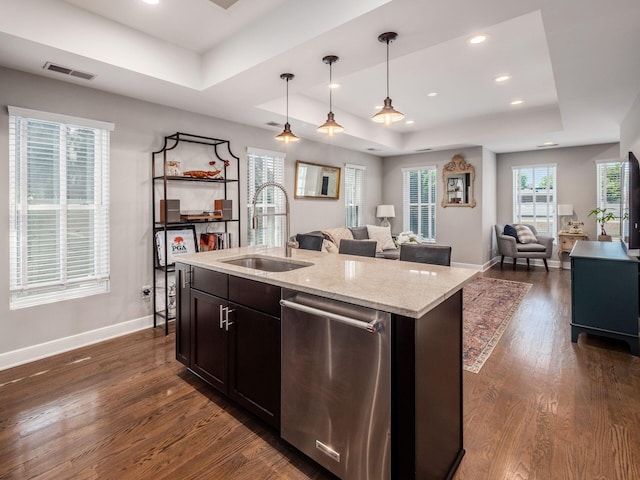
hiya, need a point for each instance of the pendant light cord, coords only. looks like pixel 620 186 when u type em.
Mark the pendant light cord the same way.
pixel 330 87
pixel 387 68
pixel 287 100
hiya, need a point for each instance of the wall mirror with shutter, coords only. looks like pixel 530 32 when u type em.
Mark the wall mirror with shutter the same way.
pixel 457 179
pixel 317 181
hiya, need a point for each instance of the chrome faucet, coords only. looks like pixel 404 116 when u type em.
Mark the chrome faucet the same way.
pixel 254 217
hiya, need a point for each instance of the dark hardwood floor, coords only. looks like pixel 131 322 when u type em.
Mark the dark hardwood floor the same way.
pixel 540 408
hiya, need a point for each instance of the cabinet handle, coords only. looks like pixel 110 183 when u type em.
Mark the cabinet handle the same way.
pixel 221 317
pixel 226 320
pixel 185 282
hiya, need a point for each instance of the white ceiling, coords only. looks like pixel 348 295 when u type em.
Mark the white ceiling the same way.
pixel 572 63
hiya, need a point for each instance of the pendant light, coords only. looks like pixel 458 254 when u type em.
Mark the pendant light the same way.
pixel 388 114
pixel 330 126
pixel 287 136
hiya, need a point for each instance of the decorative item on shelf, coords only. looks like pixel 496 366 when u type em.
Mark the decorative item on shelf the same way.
pixel 564 210
pixel 172 168
pixel 388 114
pixel 330 127
pixel 602 216
pixel 225 207
pixel 385 212
pixel 201 173
pixel 287 136
pixel 180 240
pixel 212 163
pixel 172 210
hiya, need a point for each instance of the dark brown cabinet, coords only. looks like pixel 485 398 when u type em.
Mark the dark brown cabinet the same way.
pixel 228 333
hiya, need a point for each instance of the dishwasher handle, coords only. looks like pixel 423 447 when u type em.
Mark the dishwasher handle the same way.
pixel 371 327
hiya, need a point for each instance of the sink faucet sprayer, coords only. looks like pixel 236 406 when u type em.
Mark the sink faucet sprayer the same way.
pixel 254 217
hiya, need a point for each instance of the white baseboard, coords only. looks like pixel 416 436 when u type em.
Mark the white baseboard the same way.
pixel 60 345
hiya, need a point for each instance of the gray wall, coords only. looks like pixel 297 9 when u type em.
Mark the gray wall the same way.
pixel 576 182
pixel 140 128
pixel 630 130
pixel 489 205
pixel 455 226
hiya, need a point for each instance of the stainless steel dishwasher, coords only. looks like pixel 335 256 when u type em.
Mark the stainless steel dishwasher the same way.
pixel 336 385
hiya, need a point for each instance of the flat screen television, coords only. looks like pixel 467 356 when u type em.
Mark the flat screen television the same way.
pixel 630 205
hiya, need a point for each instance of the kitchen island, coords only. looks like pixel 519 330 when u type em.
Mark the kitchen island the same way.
pixel 230 326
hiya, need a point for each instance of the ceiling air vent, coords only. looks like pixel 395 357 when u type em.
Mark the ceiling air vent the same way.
pixel 68 71
pixel 373 149
pixel 424 150
pixel 274 124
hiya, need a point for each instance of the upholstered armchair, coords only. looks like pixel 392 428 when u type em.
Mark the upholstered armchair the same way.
pixel 509 247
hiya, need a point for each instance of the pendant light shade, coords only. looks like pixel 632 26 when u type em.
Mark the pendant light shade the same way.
pixel 287 136
pixel 330 127
pixel 388 114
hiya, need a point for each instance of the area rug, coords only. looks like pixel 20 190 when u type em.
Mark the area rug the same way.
pixel 488 305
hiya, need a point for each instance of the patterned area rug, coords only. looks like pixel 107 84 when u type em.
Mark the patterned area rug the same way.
pixel 488 305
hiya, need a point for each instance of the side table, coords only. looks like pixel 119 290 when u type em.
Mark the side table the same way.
pixel 566 241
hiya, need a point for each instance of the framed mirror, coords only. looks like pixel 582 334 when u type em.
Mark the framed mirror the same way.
pixel 457 180
pixel 317 181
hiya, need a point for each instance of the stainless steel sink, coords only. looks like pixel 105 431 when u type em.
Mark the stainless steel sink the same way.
pixel 267 264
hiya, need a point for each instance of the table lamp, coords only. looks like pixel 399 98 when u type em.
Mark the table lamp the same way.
pixel 385 212
pixel 565 210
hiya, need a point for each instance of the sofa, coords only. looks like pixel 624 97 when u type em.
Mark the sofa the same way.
pixel 331 239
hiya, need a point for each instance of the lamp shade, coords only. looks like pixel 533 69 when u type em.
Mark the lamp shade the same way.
pixel 385 211
pixel 565 210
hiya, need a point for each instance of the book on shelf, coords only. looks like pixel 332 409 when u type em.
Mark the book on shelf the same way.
pixel 214 241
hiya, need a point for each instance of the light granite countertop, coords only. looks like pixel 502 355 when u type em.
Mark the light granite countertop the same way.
pixel 405 288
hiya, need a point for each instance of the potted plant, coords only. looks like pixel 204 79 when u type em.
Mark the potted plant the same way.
pixel 602 216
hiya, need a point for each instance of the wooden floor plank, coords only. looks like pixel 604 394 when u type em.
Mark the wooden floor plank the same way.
pixel 540 408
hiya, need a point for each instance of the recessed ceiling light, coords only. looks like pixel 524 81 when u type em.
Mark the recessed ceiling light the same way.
pixel 432 94
pixel 410 122
pixel 334 85
pixel 502 78
pixel 548 144
pixel 378 107
pixel 476 39
pixel 151 2
pixel 517 102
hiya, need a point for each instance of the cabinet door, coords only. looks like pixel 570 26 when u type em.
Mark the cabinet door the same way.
pixel 254 362
pixel 183 316
pixel 209 341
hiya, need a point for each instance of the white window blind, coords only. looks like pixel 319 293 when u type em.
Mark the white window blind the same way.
pixel 608 188
pixel 419 201
pixel 534 197
pixel 264 166
pixel 58 207
pixel 354 195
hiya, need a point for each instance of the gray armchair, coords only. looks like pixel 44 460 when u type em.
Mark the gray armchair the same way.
pixel 508 247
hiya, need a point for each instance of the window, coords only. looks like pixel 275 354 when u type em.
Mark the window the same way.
pixel 419 201
pixel 59 207
pixel 264 166
pixel 534 197
pixel 608 185
pixel 354 195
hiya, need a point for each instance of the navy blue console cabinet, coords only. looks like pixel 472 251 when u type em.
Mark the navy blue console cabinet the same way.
pixel 604 292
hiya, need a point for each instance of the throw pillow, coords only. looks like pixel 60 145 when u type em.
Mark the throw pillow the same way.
pixel 359 233
pixel 511 231
pixel 337 234
pixel 382 235
pixel 329 246
pixel 525 235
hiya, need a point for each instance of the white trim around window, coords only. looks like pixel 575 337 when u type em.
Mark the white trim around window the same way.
pixel 354 194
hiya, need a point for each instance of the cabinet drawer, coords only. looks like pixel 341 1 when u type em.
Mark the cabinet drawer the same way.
pixel 208 281
pixel 257 295
pixel 567 244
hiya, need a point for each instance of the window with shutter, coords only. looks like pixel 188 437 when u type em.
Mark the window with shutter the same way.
pixel 59 207
pixel 265 166
pixel 534 197
pixel 354 195
pixel 608 188
pixel 419 202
